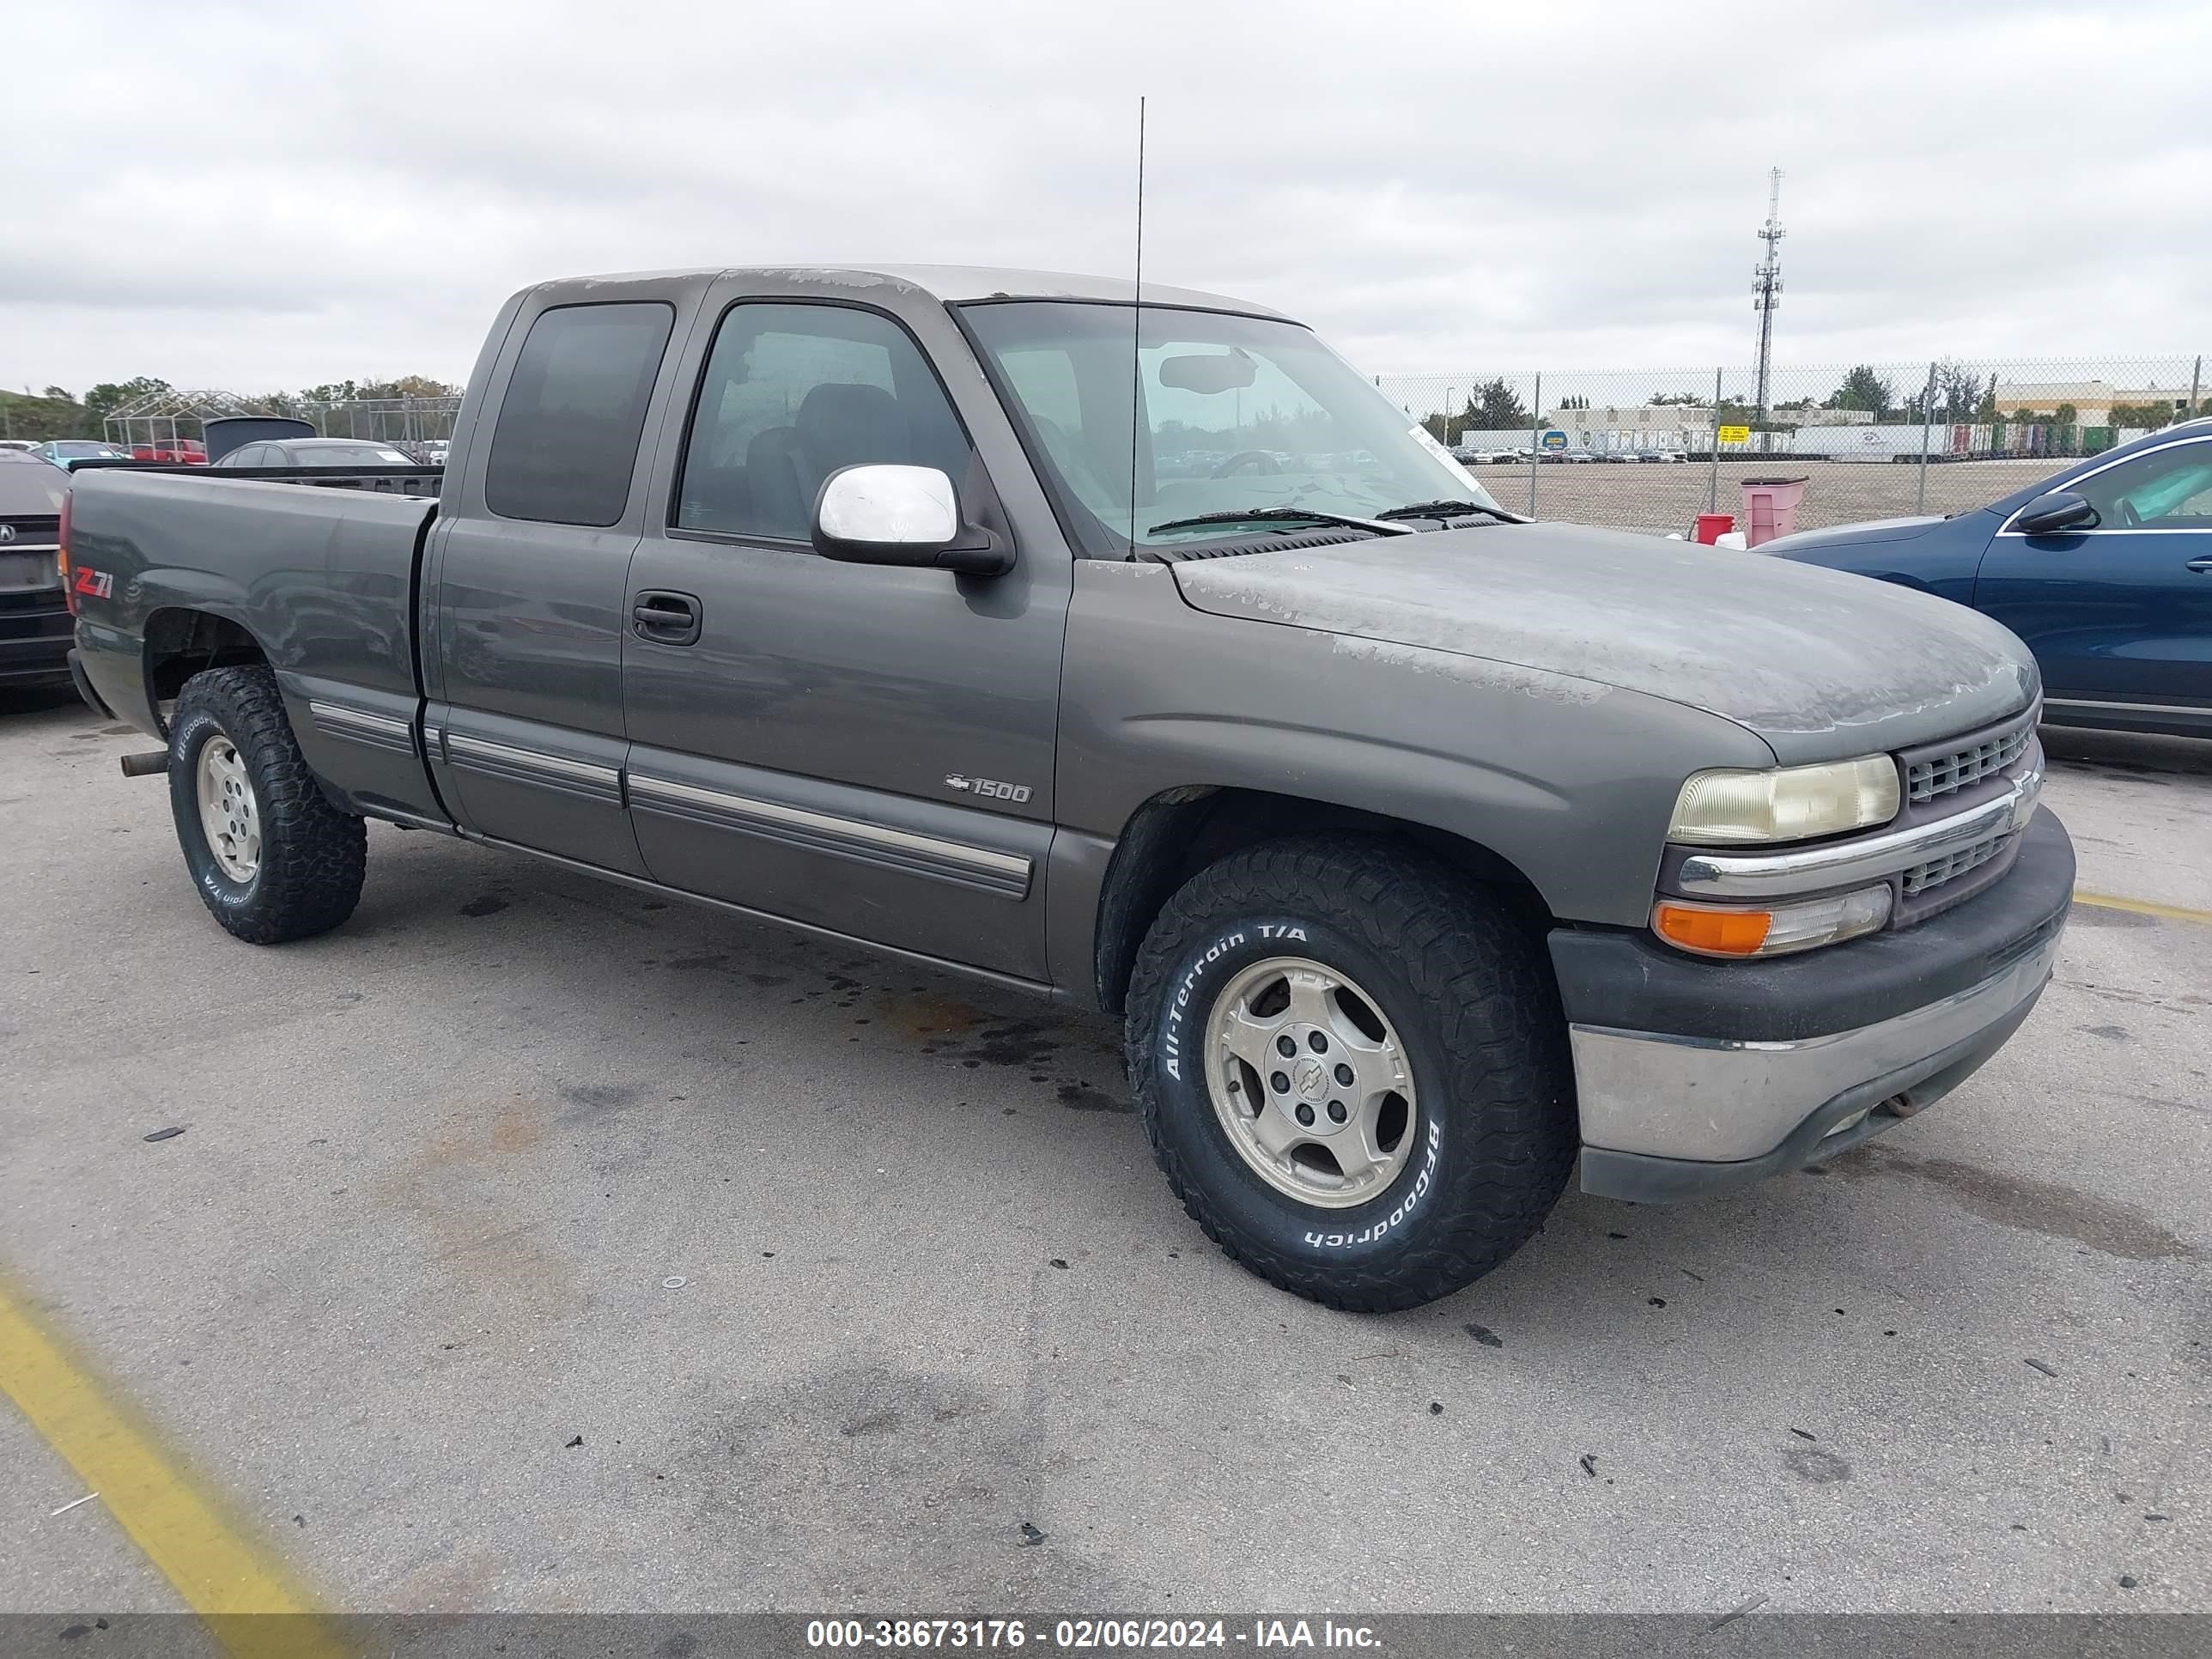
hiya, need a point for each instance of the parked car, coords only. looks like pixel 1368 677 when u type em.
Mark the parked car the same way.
pixel 34 617
pixel 176 452
pixel 66 453
pixel 2105 569
pixel 19 444
pixel 315 451
pixel 1424 847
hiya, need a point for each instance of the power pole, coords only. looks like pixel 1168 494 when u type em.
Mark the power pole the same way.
pixel 1766 295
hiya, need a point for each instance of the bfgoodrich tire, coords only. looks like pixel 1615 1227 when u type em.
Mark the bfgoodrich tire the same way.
pixel 273 860
pixel 1352 1068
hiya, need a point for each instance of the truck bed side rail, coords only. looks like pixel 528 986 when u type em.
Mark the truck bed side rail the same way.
pixel 385 480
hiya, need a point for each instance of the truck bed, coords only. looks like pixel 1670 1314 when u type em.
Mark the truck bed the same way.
pixel 323 578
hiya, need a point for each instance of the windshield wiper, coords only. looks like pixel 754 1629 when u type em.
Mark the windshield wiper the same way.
pixel 1445 510
pixel 1284 515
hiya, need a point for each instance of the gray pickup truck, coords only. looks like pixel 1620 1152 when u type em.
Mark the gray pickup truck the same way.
pixel 1423 848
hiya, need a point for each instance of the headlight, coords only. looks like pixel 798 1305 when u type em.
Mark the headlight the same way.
pixel 1789 803
pixel 1725 930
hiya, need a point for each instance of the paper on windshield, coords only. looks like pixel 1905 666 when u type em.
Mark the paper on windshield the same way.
pixel 1427 440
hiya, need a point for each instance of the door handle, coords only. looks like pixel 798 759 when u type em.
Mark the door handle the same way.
pixel 2202 567
pixel 665 618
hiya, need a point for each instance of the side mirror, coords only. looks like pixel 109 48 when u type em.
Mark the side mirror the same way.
pixel 885 513
pixel 2054 512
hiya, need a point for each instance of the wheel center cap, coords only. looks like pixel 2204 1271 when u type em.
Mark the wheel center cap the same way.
pixel 1311 1078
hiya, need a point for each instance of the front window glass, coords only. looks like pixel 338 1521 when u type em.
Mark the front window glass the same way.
pixel 792 393
pixel 1234 414
pixel 2167 488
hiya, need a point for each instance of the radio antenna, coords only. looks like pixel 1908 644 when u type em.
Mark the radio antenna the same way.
pixel 1137 333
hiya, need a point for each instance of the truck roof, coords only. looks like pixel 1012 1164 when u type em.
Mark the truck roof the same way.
pixel 955 283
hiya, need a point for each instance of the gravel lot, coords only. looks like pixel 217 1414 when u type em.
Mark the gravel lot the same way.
pixel 1655 496
pixel 405 1291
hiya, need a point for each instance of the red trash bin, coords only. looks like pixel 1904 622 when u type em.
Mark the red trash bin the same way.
pixel 1769 507
pixel 1711 526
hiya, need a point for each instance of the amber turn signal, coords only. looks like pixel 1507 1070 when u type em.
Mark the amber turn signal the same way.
pixel 1713 933
pixel 1728 930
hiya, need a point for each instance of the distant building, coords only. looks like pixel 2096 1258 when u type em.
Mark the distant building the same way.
pixel 2092 400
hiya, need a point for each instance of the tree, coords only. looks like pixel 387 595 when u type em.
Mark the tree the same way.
pixel 1863 389
pixel 1494 406
pixel 108 396
pixel 1576 402
pixel 1677 399
pixel 1958 393
pixel 57 415
pixel 2149 417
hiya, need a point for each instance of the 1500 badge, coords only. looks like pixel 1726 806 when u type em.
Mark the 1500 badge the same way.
pixel 988 789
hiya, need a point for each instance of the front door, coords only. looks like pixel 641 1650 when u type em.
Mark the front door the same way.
pixel 2120 616
pixel 859 748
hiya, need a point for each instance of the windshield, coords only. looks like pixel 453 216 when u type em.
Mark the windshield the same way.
pixel 1236 414
pixel 90 452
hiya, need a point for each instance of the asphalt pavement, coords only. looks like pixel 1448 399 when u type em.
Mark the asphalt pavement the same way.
pixel 530 1243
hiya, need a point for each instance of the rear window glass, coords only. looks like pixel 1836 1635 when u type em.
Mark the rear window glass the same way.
pixel 566 442
pixel 338 455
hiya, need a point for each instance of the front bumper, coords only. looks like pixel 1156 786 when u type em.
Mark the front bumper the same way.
pixel 1697 1076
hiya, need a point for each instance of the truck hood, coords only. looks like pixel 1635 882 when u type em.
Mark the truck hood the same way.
pixel 1818 663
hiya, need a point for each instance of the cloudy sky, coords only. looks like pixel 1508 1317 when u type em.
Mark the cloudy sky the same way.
pixel 267 196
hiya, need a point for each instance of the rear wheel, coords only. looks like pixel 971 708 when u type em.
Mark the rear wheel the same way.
pixel 272 858
pixel 1352 1065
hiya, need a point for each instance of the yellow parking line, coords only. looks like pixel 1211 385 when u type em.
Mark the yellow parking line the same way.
pixel 2145 908
pixel 232 1583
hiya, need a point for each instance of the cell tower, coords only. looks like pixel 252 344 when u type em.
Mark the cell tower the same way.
pixel 1766 294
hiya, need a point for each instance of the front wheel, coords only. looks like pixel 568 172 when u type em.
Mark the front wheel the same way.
pixel 1351 1066
pixel 273 859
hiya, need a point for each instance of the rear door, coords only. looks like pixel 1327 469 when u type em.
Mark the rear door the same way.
pixel 2120 616
pixel 526 579
pixel 858 748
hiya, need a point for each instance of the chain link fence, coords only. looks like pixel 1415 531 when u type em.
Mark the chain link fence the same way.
pixel 1651 449
pixel 168 422
pixel 400 421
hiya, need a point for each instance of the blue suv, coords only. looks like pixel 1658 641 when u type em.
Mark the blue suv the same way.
pixel 2105 570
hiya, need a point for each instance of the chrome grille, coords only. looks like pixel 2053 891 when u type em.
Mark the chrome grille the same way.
pixel 1945 774
pixel 1934 873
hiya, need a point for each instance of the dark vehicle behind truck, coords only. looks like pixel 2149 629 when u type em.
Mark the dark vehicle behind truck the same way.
pixel 34 618
pixel 1426 850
